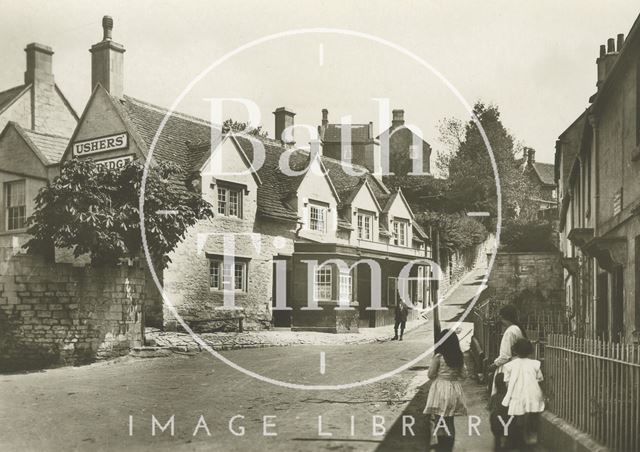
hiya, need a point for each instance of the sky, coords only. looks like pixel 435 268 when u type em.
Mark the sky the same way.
pixel 534 59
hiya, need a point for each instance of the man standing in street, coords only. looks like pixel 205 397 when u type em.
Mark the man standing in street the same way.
pixel 401 313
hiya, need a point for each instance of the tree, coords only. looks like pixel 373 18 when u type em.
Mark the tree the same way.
pixel 472 183
pixel 91 209
pixel 457 231
pixel 235 126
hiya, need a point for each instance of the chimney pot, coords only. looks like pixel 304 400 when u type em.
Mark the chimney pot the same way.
pixel 611 47
pixel 603 50
pixel 620 42
pixel 107 27
pixel 325 117
pixel 398 118
pixel 107 62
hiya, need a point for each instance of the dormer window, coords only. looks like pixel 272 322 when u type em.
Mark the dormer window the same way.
pixel 400 232
pixel 318 217
pixel 365 226
pixel 230 201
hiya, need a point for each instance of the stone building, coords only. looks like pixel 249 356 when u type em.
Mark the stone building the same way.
pixel 539 175
pixel 407 152
pixel 36 121
pixel 598 174
pixel 289 233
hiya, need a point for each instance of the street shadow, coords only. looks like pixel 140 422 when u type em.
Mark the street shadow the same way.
pixel 396 439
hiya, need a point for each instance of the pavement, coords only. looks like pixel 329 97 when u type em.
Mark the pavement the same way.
pixel 216 407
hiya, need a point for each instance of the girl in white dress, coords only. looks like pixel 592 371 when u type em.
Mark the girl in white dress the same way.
pixel 524 396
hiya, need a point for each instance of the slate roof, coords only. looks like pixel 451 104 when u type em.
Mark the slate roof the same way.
pixel 545 172
pixel 179 132
pixel 7 97
pixel 51 147
pixel 332 133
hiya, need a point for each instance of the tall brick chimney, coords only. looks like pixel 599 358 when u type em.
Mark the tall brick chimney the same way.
pixel 107 61
pixel 398 118
pixel 284 119
pixel 607 58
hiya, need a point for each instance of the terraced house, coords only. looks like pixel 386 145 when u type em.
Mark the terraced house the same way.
pixel 598 174
pixel 272 254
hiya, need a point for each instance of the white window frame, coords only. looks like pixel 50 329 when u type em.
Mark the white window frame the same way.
pixel 226 206
pixel 15 222
pixel 223 278
pixel 362 219
pixel 323 283
pixel 346 287
pixel 320 219
pixel 400 232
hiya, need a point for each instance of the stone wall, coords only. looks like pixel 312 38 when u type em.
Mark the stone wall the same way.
pixel 457 264
pixel 528 280
pixel 58 314
pixel 186 279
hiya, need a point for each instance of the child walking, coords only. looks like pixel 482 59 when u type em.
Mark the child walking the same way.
pixel 524 398
pixel 446 399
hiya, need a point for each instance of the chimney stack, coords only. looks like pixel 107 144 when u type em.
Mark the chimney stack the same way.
pixel 284 119
pixel 620 42
pixel 530 155
pixel 325 117
pixel 39 64
pixel 398 118
pixel 107 61
pixel 607 57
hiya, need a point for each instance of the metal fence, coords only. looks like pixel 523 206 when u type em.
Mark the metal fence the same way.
pixel 537 325
pixel 595 385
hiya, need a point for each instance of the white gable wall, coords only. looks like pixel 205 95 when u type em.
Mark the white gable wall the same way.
pixel 315 187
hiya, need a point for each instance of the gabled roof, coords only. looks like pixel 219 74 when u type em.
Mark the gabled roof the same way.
pixel 391 200
pixel 545 172
pixel 185 140
pixel 391 131
pixel 348 196
pixel 48 148
pixel 9 96
pixel 176 139
pixel 51 147
pixel 360 133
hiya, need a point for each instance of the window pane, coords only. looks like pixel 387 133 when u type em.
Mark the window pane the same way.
pixel 16 209
pixel 238 277
pixel 234 203
pixel 214 274
pixel 222 200
pixel 323 284
pixel 345 287
pixel 317 218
